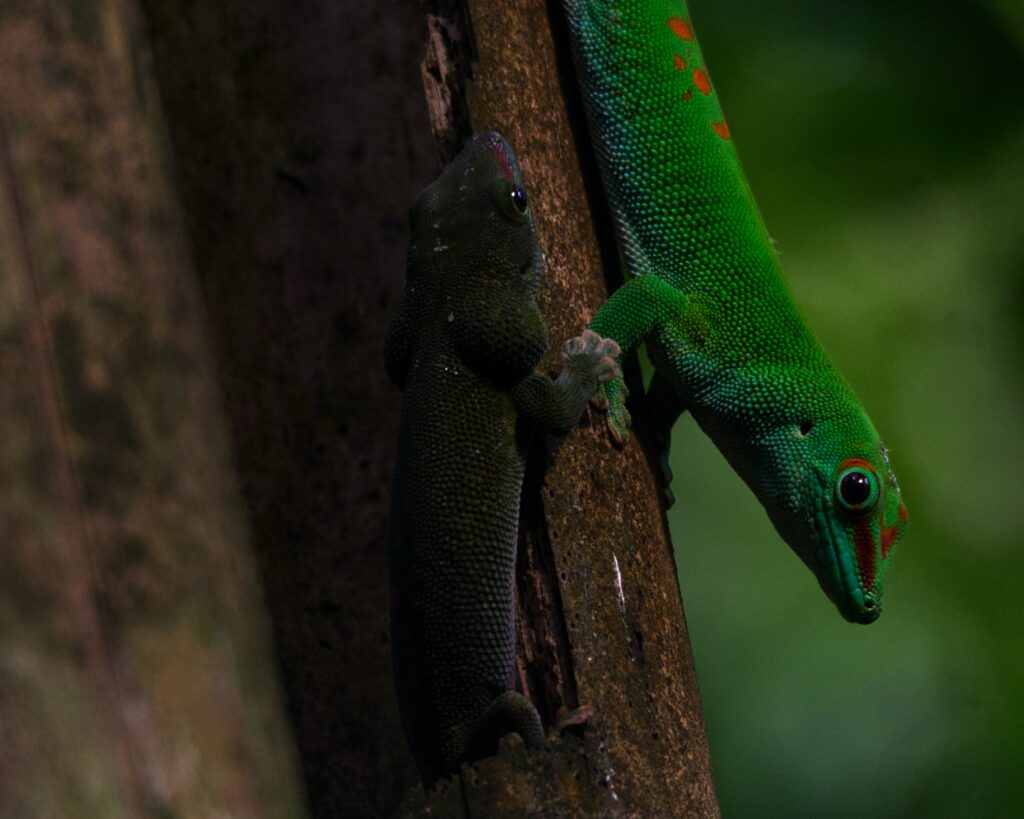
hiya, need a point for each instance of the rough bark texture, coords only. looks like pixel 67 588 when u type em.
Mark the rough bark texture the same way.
pixel 133 670
pixel 301 137
pixel 136 677
pixel 601 621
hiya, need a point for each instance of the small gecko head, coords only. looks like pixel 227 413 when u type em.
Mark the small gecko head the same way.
pixel 842 511
pixel 474 219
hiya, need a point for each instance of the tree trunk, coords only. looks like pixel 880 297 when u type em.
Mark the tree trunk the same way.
pixel 133 672
pixel 135 666
pixel 601 620
pixel 301 137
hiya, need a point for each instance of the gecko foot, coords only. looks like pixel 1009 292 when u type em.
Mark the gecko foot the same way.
pixel 610 398
pixel 510 712
pixel 577 718
pixel 602 351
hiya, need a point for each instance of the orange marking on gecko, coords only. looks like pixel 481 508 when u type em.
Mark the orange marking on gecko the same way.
pixel 889 533
pixel 687 95
pixel 700 79
pixel 680 28
pixel 721 128
pixel 678 63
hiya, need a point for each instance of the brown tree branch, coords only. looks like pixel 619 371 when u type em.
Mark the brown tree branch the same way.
pixel 601 620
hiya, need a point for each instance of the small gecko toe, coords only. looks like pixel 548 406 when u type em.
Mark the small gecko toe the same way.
pixel 619 435
pixel 576 718
pixel 608 347
pixel 607 369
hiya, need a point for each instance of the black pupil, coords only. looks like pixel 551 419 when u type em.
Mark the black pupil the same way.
pixel 855 488
pixel 519 199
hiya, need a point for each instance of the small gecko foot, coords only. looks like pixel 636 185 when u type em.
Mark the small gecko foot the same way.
pixel 603 351
pixel 611 399
pixel 668 497
pixel 577 718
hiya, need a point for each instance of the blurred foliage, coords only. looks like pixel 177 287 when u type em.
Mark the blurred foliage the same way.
pixel 885 144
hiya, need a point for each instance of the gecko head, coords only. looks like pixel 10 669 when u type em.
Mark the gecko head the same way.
pixel 475 219
pixel 844 513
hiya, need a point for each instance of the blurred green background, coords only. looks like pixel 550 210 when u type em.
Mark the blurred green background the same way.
pixel 885 144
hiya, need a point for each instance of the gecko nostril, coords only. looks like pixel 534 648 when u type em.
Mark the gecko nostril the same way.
pixel 870 611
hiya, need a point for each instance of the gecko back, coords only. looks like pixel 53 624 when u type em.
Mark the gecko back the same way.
pixel 464 347
pixel 709 298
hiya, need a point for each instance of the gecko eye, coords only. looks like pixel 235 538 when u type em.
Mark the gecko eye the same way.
pixel 519 199
pixel 857 488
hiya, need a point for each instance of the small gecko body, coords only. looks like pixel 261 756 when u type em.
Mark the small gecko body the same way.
pixel 463 348
pixel 709 298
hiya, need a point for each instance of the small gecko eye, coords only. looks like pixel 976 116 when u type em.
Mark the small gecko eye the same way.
pixel 519 199
pixel 857 488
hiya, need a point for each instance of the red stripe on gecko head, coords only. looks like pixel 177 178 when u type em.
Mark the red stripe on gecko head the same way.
pixel 678 63
pixel 700 79
pixel 865 544
pixel 506 166
pixel 680 28
pixel 721 129
pixel 890 533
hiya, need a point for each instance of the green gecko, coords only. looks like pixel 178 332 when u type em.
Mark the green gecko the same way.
pixel 464 348
pixel 709 298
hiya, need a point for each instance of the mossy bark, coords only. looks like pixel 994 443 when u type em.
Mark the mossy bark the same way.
pixel 136 674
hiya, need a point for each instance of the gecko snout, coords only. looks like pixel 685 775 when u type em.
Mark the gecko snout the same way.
pixel 870 611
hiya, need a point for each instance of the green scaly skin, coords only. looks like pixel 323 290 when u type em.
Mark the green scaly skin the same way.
pixel 709 298
pixel 463 348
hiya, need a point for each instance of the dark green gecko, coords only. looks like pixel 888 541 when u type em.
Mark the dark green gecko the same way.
pixel 709 298
pixel 463 348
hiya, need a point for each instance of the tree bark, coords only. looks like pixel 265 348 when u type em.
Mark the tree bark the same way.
pixel 135 664
pixel 601 619
pixel 299 135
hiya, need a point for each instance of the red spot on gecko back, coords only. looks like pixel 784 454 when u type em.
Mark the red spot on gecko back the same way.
pixel 722 129
pixel 678 63
pixel 680 28
pixel 687 94
pixel 700 79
